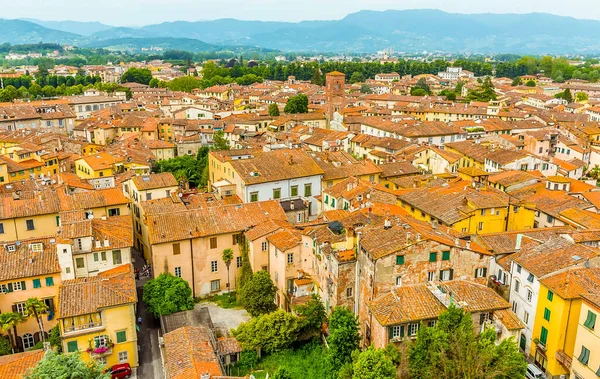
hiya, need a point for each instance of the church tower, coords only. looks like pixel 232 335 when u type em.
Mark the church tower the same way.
pixel 334 93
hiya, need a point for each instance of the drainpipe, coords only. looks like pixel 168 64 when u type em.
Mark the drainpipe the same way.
pixel 193 268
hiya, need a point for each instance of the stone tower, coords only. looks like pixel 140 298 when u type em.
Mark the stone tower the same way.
pixel 334 93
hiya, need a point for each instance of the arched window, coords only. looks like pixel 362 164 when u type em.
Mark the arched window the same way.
pixel 28 341
pixel 95 107
pixel 88 108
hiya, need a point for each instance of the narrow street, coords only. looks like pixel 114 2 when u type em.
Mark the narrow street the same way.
pixel 149 350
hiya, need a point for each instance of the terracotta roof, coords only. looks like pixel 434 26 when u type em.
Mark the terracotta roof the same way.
pixel 24 263
pixel 189 353
pixel 264 228
pixel 509 319
pixel 15 366
pixel 109 288
pixel 228 346
pixel 572 283
pixel 162 180
pixel 285 239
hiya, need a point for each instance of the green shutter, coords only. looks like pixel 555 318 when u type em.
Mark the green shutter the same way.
pixel 432 257
pixel 590 321
pixel 550 295
pixel 49 281
pixel 121 336
pixel 544 335
pixel 546 314
pixel 37 283
pixel 399 259
pixel 10 287
pixel 445 255
pixel 72 346
pixel 23 286
pixel 584 357
pixel 598 371
pixel 57 220
pixel 402 331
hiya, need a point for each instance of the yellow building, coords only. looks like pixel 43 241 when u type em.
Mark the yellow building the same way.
pixel 97 166
pixel 97 317
pixel 586 362
pixel 557 318
pixel 29 269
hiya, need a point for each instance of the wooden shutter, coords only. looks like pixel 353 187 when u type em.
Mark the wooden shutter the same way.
pixel 451 274
pixel 484 272
pixel 23 287
pixel 14 308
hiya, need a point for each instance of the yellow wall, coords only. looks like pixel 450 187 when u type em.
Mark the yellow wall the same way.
pixel 84 171
pixel 562 327
pixel 114 319
pixel 16 229
pixel 591 340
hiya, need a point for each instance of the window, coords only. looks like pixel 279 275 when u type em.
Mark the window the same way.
pixel 178 272
pixel 276 193
pixel 263 246
pixel 57 219
pixel 215 285
pixel 95 257
pixel 148 195
pixel 116 257
pixel 290 258
pixel 236 238
pixel 28 341
pixel 483 212
pixel 114 212
pixel 79 262
pixel 37 283
pixel 526 317
pixel 19 308
pixel 413 329
pixel 529 295
pixel 445 255
pixel 550 295
pixel 122 356
pixel 103 256
pixel 349 292
pixel 431 276
pixel 519 268
pixel 30 225
pixel 530 278
pixel 432 257
pixel 213 242
pixel 590 321
pixel 544 336
pixel 514 306
pixel 253 197
pixel 1 228
pixel 398 281
pixel 446 275
pixel 399 259
pixel 546 314
pixel 121 336
pixel 101 361
pixel 584 357
pixel 307 190
pixel 214 266
pixel 481 272
pixel 72 346
pixel 480 226
pixel 101 341
pixel 49 281
pixel 176 249
pixel 294 191
pixel 238 262
pixel 397 331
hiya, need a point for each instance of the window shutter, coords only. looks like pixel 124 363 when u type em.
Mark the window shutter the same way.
pixel 10 288
pixel 475 275
pixel 441 271
pixel 402 331
pixel 14 308
pixel 23 287
pixel 484 272
pixel 451 274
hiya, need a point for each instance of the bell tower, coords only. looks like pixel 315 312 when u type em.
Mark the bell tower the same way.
pixel 334 93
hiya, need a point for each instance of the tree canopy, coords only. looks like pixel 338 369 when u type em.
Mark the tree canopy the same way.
pixel 297 104
pixel 343 337
pixel 271 332
pixel 258 294
pixel 421 88
pixel 188 168
pixel 451 350
pixel 373 364
pixel 137 75
pixel 485 92
pixel 65 366
pixel 312 315
pixel 167 294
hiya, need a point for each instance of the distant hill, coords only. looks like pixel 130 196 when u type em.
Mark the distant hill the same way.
pixel 360 32
pixel 20 32
pixel 75 27
pixel 187 44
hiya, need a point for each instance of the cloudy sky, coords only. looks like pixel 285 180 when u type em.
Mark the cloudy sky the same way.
pixel 143 12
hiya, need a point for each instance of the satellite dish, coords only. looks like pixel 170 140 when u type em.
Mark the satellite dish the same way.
pixel 90 216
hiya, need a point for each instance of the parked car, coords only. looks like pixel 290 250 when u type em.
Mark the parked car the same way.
pixel 120 371
pixel 533 372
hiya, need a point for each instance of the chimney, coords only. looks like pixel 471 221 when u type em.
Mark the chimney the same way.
pixel 518 243
pixel 468 244
pixel 106 244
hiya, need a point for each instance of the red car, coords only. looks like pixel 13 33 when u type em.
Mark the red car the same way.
pixel 120 371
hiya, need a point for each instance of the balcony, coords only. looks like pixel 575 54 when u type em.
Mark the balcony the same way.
pixel 101 351
pixel 83 328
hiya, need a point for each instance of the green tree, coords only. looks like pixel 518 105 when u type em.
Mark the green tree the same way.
pixel 364 88
pixel 485 92
pixel 65 366
pixel 373 364
pixel 271 332
pixel 546 65
pixel 185 84
pixel 312 315
pixel 227 257
pixel 297 104
pixel 282 373
pixel 273 110
pixel 153 83
pixel 421 84
pixel 581 96
pixel 418 92
pixel 8 323
pixel 137 75
pixel 343 337
pixel 187 168
pixel 246 269
pixel 54 339
pixel 35 308
pixel 317 77
pixel 530 83
pixel 167 294
pixel 567 95
pixel 451 349
pixel 459 87
pixel 594 173
pixel 220 142
pixel 517 81
pixel 258 295
pixel 5 346
pixel 357 77
pixel 451 96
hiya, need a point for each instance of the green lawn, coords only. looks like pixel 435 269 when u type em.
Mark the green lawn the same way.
pixel 307 361
pixel 226 300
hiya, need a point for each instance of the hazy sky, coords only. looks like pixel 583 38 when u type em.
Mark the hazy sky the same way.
pixel 143 12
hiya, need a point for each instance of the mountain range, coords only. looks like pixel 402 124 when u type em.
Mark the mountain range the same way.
pixel 360 32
